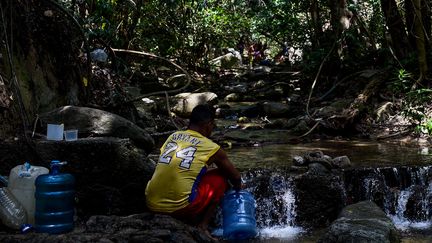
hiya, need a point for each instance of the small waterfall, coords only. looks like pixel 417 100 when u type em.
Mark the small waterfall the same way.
pixel 398 217
pixel 419 215
pixel 276 207
pixel 405 193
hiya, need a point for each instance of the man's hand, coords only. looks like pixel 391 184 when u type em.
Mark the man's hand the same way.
pixel 239 186
pixel 221 160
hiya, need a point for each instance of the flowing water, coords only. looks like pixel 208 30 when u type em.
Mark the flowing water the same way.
pixel 404 172
pixel 361 154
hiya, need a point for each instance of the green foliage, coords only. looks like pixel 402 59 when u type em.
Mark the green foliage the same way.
pixel 193 32
pixel 414 102
pixel 415 107
pixel 402 82
pixel 425 127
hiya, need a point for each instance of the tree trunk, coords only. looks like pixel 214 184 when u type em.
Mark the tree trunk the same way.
pixel 133 22
pixel 316 23
pixel 427 18
pixel 340 16
pixel 363 32
pixel 42 64
pixel 396 28
pixel 409 19
pixel 420 39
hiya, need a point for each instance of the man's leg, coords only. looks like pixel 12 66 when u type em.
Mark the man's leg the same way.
pixel 210 191
pixel 218 185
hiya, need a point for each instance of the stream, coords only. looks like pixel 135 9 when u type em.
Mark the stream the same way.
pixel 387 165
pixel 361 154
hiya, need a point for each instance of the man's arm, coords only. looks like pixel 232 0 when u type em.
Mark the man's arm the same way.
pixel 221 160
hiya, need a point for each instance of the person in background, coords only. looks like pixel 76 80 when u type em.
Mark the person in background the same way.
pixel 182 185
pixel 241 45
pixel 256 52
pixel 281 55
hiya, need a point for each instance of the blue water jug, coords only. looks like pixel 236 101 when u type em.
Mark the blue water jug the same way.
pixel 54 201
pixel 238 210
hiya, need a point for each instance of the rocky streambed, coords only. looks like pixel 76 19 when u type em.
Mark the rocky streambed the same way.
pixel 113 159
pixel 111 174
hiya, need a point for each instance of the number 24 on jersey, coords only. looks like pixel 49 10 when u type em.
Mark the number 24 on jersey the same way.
pixel 185 154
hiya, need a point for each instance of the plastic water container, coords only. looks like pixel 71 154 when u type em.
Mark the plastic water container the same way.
pixel 55 196
pixel 55 132
pixel 238 210
pixel 71 135
pixel 22 185
pixel 12 213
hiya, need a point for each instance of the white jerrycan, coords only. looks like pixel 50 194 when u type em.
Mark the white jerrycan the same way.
pixel 22 185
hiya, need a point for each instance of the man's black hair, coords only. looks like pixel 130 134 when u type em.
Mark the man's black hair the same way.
pixel 202 114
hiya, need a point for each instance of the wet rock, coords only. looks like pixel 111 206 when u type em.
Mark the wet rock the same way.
pixel 144 227
pixel 314 155
pixel 233 97
pixel 362 222
pixel 318 157
pixel 318 169
pixel 319 199
pixel 238 88
pixel 341 162
pixel 299 161
pixel 96 122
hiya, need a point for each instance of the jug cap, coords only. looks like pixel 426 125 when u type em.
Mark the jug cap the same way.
pixel 25 170
pixel 57 162
pixel 56 165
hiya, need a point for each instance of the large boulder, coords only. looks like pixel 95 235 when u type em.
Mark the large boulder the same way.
pixel 111 173
pixel 362 222
pixel 187 101
pixel 95 122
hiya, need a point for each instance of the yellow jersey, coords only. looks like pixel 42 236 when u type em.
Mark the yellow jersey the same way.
pixel 182 162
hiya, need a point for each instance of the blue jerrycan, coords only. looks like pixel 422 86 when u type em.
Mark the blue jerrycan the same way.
pixel 55 198
pixel 238 210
